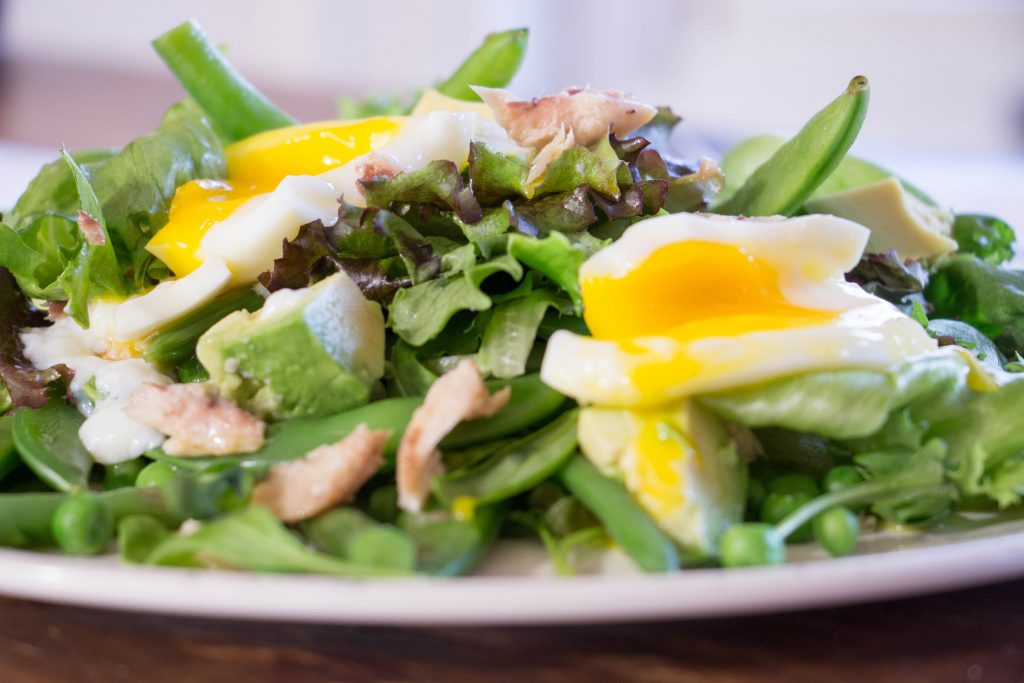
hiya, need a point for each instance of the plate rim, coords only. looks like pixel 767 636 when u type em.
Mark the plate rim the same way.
pixel 509 601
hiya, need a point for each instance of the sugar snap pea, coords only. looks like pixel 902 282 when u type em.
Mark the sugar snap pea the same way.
pixel 26 518
pixel 83 524
pixel 236 108
pixel 47 441
pixel 138 535
pixel 514 468
pixel 626 522
pixel 784 182
pixel 492 65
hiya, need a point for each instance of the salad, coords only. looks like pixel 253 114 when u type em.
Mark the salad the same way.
pixel 376 346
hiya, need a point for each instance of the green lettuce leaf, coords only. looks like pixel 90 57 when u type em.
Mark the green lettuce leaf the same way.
pixel 554 257
pixel 511 333
pixel 94 271
pixel 134 188
pixel 987 237
pixel 419 313
pixel 564 212
pixel 495 177
pixel 596 167
pixel 846 404
pixel 985 296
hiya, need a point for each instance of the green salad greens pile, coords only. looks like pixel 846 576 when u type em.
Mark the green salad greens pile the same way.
pixel 473 260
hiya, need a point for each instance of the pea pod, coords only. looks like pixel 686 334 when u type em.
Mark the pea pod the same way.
pixel 531 402
pixel 9 459
pixel 626 522
pixel 47 440
pixel 492 65
pixel 515 468
pixel 138 536
pixel 83 524
pixel 177 343
pixel 236 108
pixel 783 183
pixel 852 172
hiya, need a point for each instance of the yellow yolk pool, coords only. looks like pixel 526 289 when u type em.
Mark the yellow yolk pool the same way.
pixel 308 149
pixel 256 165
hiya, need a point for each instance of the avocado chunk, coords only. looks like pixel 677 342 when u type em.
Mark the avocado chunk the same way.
pixel 306 353
pixel 680 465
pixel 897 219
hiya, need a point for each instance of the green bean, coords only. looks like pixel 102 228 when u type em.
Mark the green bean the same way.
pixel 531 402
pixel 515 468
pixel 626 522
pixel 236 108
pixel 48 442
pixel 177 343
pixel 447 546
pixel 492 65
pixel 83 524
pixel 138 536
pixel 783 183
pixel 9 459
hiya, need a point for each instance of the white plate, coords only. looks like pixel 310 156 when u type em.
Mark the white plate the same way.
pixel 894 566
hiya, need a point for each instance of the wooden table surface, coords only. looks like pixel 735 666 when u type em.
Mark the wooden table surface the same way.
pixel 973 635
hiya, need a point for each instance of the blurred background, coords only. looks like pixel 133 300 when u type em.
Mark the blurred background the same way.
pixel 947 76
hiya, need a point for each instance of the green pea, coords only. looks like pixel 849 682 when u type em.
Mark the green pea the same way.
pixel 778 506
pixel 836 530
pixel 793 483
pixel 752 544
pixel 83 524
pixel 155 474
pixel 840 478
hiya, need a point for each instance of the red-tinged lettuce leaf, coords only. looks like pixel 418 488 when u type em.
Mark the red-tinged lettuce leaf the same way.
pixel 439 182
pixel 564 212
pixel 23 385
pixel 644 198
pixel 596 167
pixel 658 131
pixel 495 177
pixel 377 249
pixel 899 282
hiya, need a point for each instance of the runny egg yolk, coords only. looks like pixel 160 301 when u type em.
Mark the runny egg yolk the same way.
pixel 689 291
pixel 196 207
pixel 657 473
pixel 308 149
pixel 255 166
